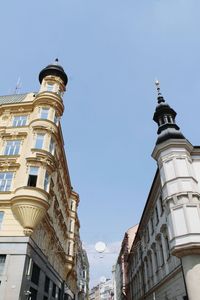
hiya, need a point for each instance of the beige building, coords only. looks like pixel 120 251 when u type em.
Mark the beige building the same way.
pixel 38 207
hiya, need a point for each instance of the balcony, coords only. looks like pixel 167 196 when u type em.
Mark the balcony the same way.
pixel 29 205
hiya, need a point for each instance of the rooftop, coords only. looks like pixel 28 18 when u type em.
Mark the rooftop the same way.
pixel 16 98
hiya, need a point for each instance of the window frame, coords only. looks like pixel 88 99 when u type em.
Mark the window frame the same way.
pixel 2 213
pixel 52 146
pixel 8 181
pixel 2 263
pixel 12 147
pixel 39 142
pixel 19 120
pixel 50 86
pixel 46 181
pixel 33 176
pixel 43 115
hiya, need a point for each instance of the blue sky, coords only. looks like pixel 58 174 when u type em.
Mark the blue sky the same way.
pixel 112 50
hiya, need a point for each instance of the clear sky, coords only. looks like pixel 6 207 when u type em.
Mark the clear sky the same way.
pixel 112 50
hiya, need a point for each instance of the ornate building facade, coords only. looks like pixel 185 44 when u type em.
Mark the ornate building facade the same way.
pixel 38 207
pixel 121 268
pixel 164 262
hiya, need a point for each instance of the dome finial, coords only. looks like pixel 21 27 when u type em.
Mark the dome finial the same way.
pixel 160 96
pixel 56 61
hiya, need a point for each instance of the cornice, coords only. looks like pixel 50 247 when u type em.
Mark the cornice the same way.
pixel 178 143
pixel 13 134
pixel 44 158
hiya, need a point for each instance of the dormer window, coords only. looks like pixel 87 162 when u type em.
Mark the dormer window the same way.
pixel 44 113
pixel 50 87
pixel 33 175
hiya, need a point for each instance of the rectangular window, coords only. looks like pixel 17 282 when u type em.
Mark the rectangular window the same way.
pixel 161 205
pixel 69 248
pixel 5 181
pixel 59 294
pixel 147 234
pixel 152 225
pixel 35 274
pixel 167 246
pixel 54 290
pixel 46 182
pixel 33 175
pixel 33 294
pixel 72 205
pixel 70 225
pixel 39 141
pixel 52 146
pixel 56 119
pixel 2 263
pixel 1 218
pixel 19 121
pixel 156 258
pixel 12 147
pixel 50 87
pixel 44 113
pixel 156 215
pixel 161 253
pixel 46 285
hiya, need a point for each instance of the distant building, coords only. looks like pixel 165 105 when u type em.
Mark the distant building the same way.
pixel 103 291
pixel 94 293
pixel 82 271
pixel 38 207
pixel 121 267
pixel 164 262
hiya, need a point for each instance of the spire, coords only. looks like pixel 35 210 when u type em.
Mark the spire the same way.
pixel 165 116
pixel 160 97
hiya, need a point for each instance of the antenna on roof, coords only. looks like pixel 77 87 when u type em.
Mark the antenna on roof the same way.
pixel 18 86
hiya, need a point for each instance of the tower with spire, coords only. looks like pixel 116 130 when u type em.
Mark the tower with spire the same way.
pixel 178 165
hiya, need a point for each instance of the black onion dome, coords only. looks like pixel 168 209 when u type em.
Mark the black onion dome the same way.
pixel 162 109
pixel 165 116
pixel 54 69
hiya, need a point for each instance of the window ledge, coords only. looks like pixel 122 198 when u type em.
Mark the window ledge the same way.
pixel 9 156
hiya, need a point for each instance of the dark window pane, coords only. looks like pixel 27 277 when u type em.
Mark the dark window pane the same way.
pixel 35 274
pixel 46 285
pixel 2 263
pixel 33 294
pixel 59 294
pixel 32 180
pixel 54 290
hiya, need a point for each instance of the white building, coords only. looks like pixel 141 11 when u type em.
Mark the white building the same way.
pixel 103 291
pixel 164 262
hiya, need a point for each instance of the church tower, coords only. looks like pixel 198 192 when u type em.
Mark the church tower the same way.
pixel 178 164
